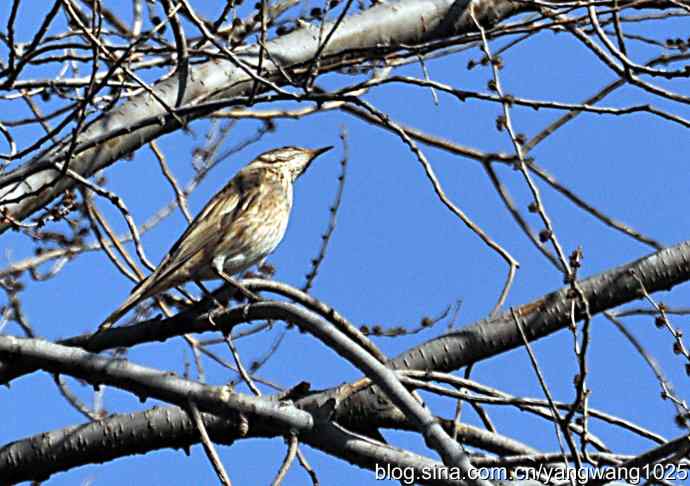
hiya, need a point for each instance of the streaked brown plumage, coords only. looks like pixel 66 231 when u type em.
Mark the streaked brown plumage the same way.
pixel 242 224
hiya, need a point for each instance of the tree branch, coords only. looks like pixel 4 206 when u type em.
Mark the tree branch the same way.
pixel 382 28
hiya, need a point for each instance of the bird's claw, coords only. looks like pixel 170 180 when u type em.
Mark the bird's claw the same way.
pixel 213 313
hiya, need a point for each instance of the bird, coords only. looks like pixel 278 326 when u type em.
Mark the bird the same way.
pixel 240 226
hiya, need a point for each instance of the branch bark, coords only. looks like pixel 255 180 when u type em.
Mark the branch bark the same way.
pixel 150 383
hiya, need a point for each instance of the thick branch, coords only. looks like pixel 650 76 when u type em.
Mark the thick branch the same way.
pixel 147 382
pixel 38 457
pixel 659 271
pixel 379 29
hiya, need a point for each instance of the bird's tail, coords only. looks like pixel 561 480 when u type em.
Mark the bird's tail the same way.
pixel 139 293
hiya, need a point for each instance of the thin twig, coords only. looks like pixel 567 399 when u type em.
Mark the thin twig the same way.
pixel 326 236
pixel 559 424
pixel 240 367
pixel 287 462
pixel 208 445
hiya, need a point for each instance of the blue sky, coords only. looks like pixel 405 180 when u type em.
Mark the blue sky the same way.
pixel 398 255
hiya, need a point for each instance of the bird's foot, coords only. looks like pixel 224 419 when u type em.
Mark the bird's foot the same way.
pixel 245 311
pixel 213 313
pixel 266 269
pixel 241 289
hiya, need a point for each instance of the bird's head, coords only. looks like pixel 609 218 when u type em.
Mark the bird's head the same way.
pixel 292 160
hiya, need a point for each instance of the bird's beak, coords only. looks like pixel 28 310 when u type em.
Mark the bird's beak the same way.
pixel 316 152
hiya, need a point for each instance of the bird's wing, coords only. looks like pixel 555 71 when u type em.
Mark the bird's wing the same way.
pixel 205 231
